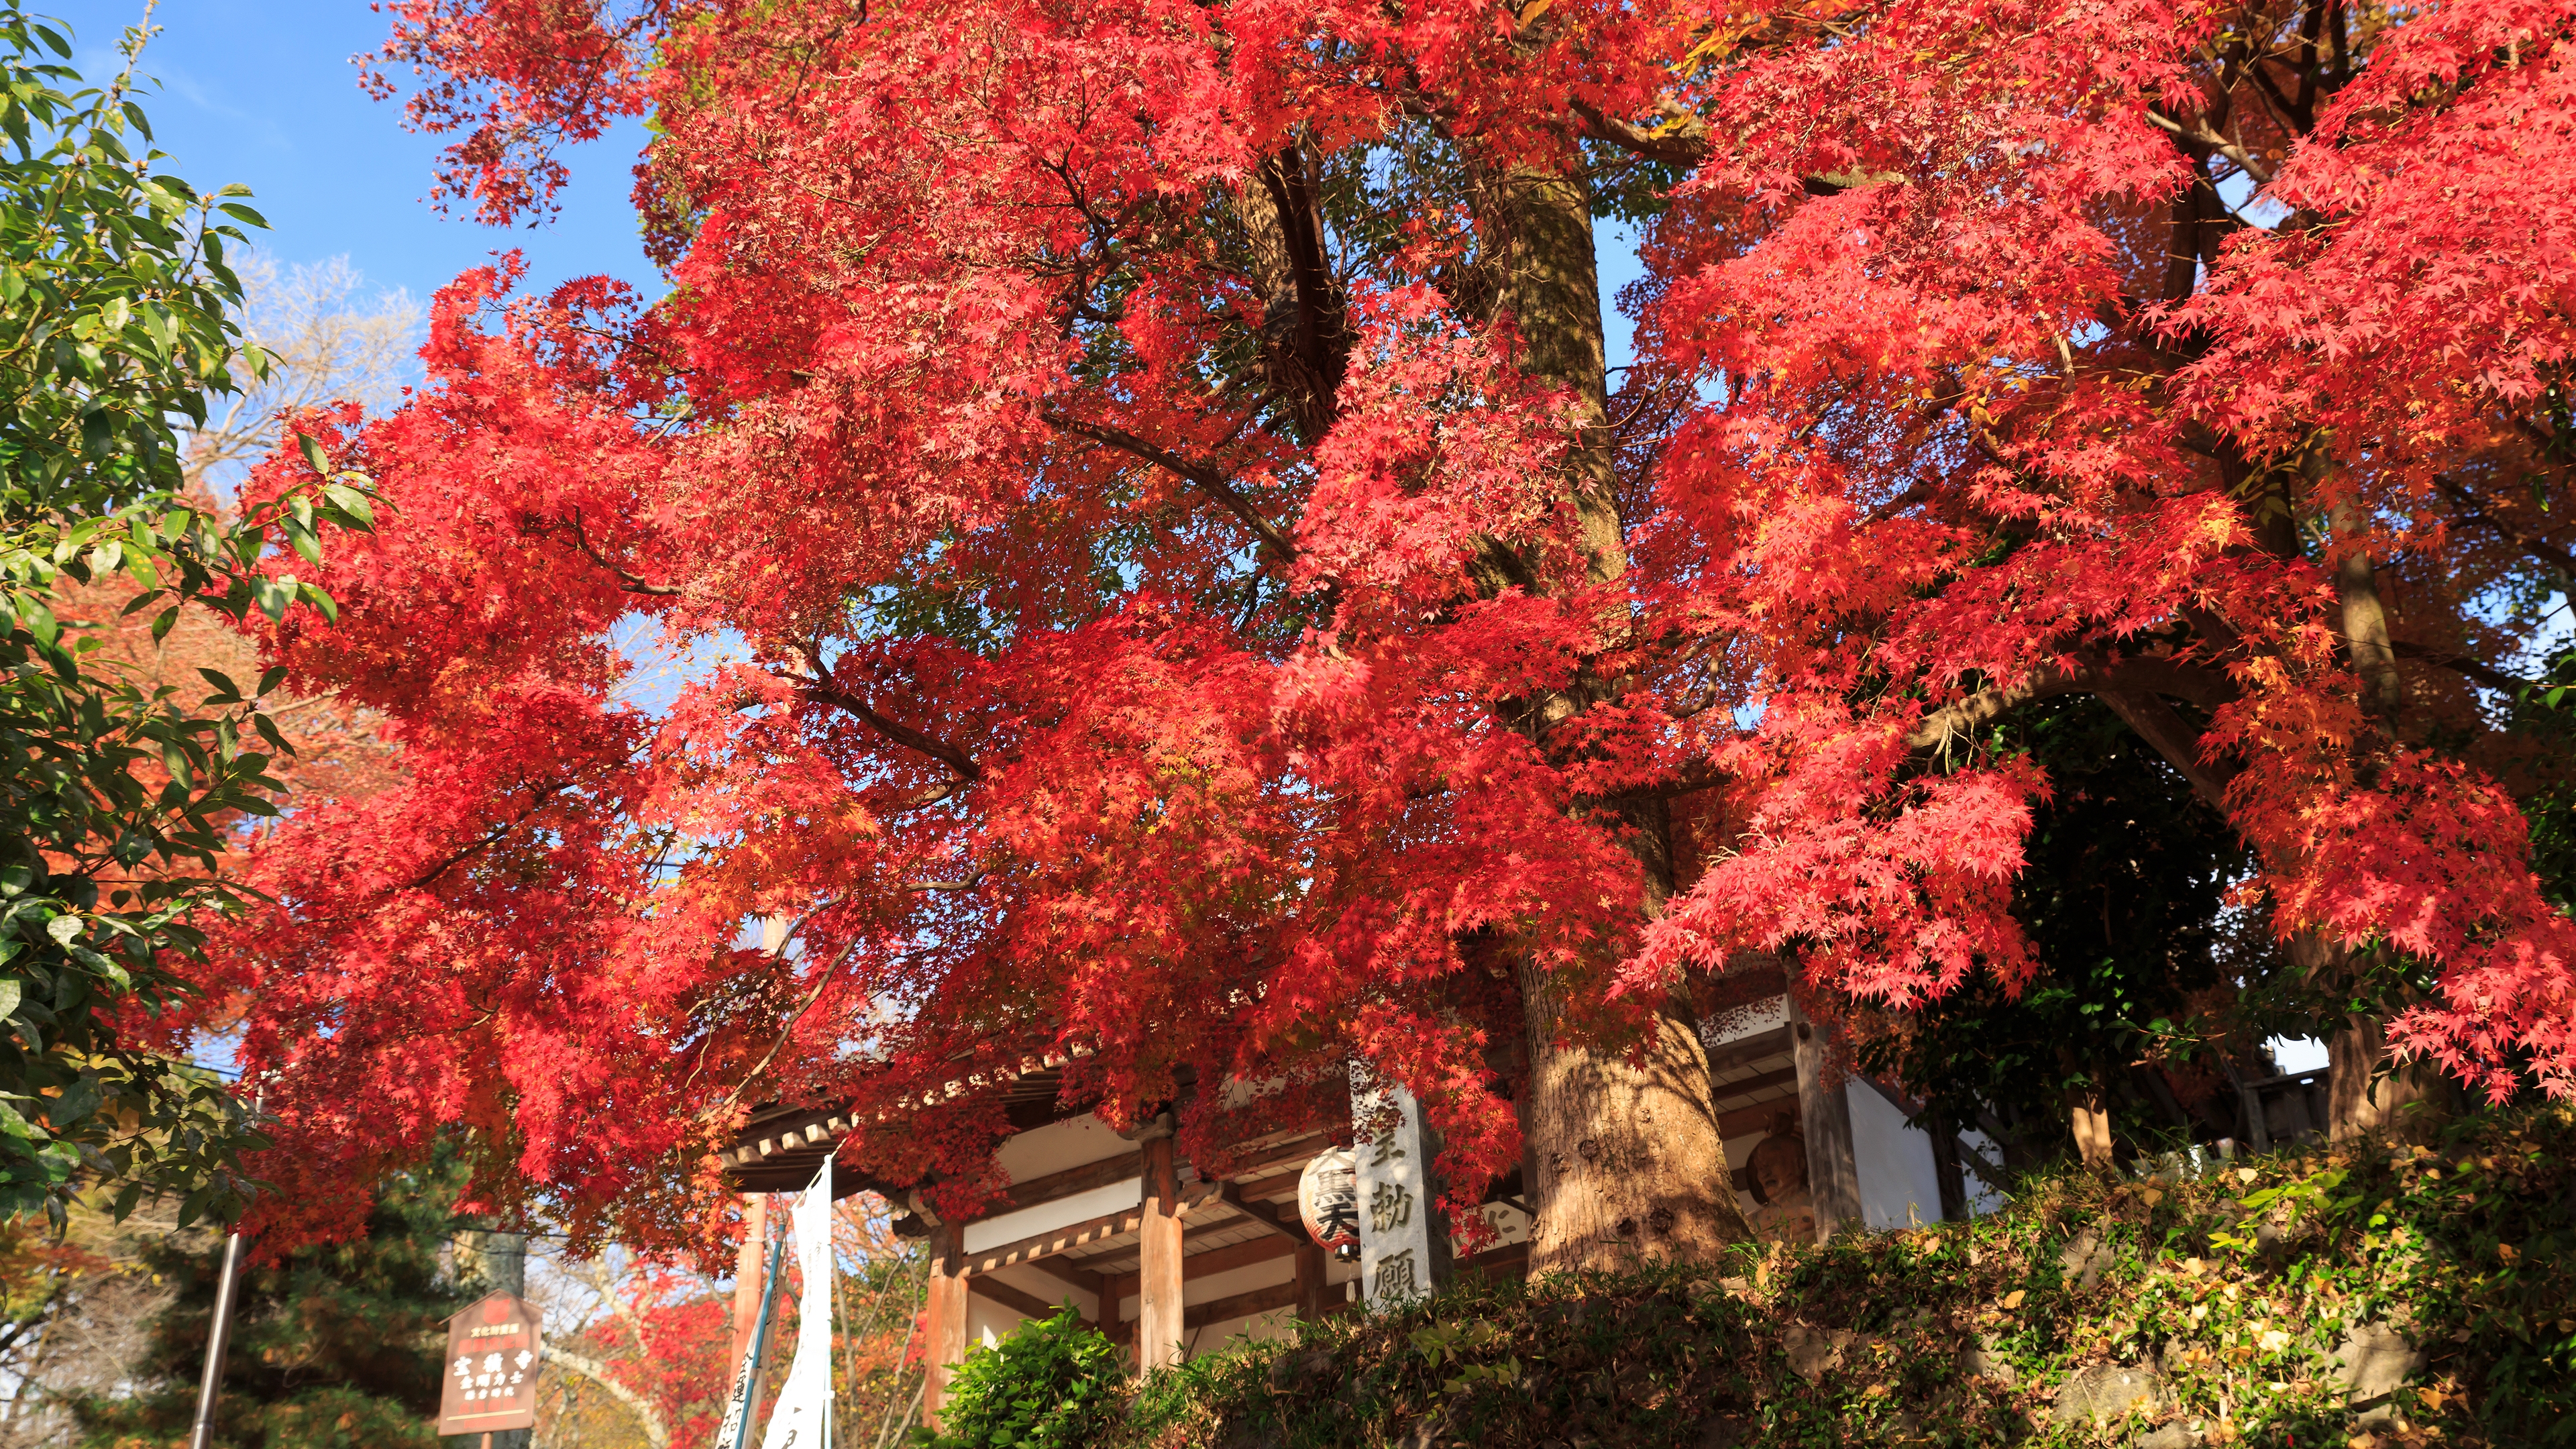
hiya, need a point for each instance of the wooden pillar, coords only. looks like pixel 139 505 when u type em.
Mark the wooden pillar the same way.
pixel 750 1265
pixel 1158 1247
pixel 943 1318
pixel 1953 1184
pixel 1833 1176
pixel 1310 1280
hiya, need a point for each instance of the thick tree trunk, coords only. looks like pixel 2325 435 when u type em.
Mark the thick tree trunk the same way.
pixel 2362 1094
pixel 1627 1162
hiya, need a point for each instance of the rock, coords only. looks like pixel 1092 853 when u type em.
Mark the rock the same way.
pixel 2108 1391
pixel 1810 1352
pixel 2372 1361
pixel 2176 1435
pixel 2084 1259
pixel 1980 1358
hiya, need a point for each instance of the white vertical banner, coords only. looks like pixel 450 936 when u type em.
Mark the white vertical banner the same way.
pixel 803 1418
pixel 1395 1206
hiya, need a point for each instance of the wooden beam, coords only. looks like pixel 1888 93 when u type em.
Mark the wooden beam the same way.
pixel 1075 1235
pixel 1260 1214
pixel 1511 1258
pixel 1745 1051
pixel 1240 1305
pixel 1057 1185
pixel 1117 1287
pixel 1067 1272
pixel 1027 1305
pixel 1833 1176
pixel 1261 1187
pixel 943 1320
pixel 1720 1091
pixel 1295 1149
pixel 1160 1325
pixel 1755 1117
pixel 1310 1280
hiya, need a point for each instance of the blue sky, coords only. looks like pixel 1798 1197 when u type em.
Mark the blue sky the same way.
pixel 262 92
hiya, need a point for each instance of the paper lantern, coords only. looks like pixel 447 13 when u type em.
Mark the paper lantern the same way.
pixel 1328 1201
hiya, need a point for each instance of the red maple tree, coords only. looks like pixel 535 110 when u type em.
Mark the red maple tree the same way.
pixel 1194 600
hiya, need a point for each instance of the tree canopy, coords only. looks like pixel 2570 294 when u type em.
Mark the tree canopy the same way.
pixel 1195 602
pixel 116 791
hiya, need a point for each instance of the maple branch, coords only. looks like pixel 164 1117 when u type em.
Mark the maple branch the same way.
pixel 2157 723
pixel 488 837
pixel 2461 664
pixel 2201 135
pixel 818 685
pixel 2146 676
pixel 1206 479
pixel 656 1432
pixel 2476 512
pixel 632 583
pixel 822 979
pixel 1681 139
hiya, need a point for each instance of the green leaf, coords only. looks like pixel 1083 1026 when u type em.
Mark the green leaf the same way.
pixel 246 215
pixel 313 453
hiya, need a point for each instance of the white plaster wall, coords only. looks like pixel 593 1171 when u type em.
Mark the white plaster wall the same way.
pixel 1510 1223
pixel 1238 1280
pixel 1046 1216
pixel 1899 1186
pixel 1045 1287
pixel 1059 1145
pixel 1752 1021
pixel 987 1320
pixel 1274 1324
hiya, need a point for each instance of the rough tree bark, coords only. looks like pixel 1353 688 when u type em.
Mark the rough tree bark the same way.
pixel 1628 1160
pixel 2363 1095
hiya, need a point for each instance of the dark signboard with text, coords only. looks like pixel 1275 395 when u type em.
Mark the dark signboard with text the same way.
pixel 491 1373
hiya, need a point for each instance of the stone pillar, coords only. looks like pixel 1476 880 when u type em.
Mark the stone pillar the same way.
pixel 1400 1243
pixel 1159 1287
pixel 1833 1176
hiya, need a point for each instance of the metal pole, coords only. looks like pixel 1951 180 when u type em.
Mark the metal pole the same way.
pixel 759 1347
pixel 203 1431
pixel 219 1333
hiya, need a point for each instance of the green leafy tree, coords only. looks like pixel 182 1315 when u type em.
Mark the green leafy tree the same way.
pixel 1046 1385
pixel 335 1344
pixel 2123 898
pixel 115 801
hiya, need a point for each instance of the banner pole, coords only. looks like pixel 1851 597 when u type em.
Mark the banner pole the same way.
pixel 759 1347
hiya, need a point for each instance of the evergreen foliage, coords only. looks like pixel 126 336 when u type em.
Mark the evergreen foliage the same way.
pixel 2121 898
pixel 335 1346
pixel 115 323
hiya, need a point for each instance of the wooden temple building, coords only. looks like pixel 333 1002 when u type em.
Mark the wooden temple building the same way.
pixel 1173 1263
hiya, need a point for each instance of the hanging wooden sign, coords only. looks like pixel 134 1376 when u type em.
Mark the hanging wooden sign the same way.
pixel 490 1380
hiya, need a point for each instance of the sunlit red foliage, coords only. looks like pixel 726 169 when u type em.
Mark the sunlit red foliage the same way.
pixel 1143 648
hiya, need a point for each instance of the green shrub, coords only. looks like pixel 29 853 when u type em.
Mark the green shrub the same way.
pixel 1045 1386
pixel 2235 1295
